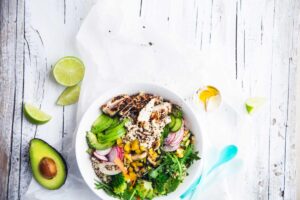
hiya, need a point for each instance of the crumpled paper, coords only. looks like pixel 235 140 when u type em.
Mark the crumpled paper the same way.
pixel 118 47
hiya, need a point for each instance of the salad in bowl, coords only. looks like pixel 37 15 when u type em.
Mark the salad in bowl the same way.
pixel 140 146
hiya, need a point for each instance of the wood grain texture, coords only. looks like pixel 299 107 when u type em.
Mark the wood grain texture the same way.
pixel 258 38
pixel 12 30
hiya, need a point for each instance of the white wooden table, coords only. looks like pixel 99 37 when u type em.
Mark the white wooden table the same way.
pixel 263 42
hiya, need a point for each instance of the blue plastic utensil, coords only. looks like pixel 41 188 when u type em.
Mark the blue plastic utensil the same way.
pixel 227 154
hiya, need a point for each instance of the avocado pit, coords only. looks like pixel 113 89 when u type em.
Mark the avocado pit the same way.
pixel 47 167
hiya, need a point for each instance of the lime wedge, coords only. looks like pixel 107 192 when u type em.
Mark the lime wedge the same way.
pixel 68 71
pixel 35 115
pixel 69 96
pixel 253 104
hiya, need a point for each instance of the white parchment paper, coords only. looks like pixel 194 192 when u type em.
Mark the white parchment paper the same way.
pixel 117 47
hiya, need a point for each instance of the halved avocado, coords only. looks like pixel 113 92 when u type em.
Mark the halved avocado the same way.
pixel 48 166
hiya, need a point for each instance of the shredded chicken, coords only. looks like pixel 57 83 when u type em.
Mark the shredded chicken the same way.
pixel 150 123
pixel 116 104
pixel 127 106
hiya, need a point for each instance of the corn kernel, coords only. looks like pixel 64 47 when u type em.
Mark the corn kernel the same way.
pixel 143 148
pixel 151 151
pixel 134 164
pixel 153 154
pixel 138 151
pixel 179 152
pixel 128 157
pixel 186 132
pixel 127 147
pixel 135 145
pixel 187 143
pixel 132 176
pixel 186 137
pixel 119 141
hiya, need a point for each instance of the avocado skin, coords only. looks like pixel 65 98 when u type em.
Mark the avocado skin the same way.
pixel 63 164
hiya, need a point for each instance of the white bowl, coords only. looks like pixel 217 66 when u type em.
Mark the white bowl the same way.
pixel 83 159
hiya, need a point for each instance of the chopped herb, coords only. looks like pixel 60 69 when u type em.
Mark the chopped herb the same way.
pixel 189 156
pixel 108 189
pixel 177 112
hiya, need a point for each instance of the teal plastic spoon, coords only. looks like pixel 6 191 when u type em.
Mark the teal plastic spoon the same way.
pixel 227 154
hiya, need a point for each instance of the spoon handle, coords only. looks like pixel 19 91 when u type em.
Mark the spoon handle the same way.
pixel 227 154
pixel 191 189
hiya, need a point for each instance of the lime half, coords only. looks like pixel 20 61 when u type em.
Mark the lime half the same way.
pixel 68 71
pixel 253 104
pixel 35 115
pixel 69 96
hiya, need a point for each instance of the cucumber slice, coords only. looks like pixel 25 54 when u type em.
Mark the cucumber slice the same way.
pixel 93 142
pixel 172 123
pixel 102 123
pixel 177 126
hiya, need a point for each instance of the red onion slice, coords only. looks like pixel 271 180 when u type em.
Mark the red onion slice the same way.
pixel 103 152
pixel 116 152
pixel 177 138
pixel 120 153
pixel 170 138
pixel 100 157
pixel 170 148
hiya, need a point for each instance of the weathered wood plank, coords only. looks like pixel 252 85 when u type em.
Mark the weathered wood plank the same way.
pixel 282 93
pixel 297 61
pixel 11 56
pixel 290 182
pixel 254 72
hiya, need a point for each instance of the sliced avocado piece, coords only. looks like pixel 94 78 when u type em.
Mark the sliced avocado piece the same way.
pixel 112 135
pixel 117 125
pixel 93 142
pixel 172 123
pixel 114 129
pixel 48 166
pixel 177 126
pixel 115 122
pixel 102 123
